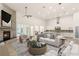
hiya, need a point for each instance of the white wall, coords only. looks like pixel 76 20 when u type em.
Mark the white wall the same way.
pixel 76 19
pixel 34 23
pixel 66 22
pixel 50 24
pixel 76 22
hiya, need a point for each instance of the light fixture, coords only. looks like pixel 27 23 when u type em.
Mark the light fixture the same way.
pixel 73 9
pixel 62 7
pixel 27 15
pixel 50 7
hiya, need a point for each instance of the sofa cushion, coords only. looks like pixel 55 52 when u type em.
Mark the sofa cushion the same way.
pixel 54 42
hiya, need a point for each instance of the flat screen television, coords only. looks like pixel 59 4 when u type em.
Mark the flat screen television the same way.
pixel 5 18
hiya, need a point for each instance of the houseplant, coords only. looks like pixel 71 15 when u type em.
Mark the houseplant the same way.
pixel 37 48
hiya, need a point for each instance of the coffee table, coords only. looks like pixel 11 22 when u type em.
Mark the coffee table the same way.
pixel 38 51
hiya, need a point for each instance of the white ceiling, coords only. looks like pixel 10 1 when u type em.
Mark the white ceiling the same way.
pixel 45 10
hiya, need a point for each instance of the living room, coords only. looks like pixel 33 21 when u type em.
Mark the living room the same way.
pixel 39 29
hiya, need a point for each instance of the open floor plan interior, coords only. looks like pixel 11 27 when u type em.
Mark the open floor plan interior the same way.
pixel 39 29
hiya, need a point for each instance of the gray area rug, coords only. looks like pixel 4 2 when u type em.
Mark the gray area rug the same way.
pixel 22 50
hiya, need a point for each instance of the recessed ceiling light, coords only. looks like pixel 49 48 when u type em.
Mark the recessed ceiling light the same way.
pixel 50 7
pixel 62 7
pixel 73 8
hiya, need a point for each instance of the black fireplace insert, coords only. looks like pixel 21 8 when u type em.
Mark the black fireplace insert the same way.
pixel 6 35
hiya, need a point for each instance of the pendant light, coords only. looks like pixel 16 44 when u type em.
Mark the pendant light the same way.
pixel 27 15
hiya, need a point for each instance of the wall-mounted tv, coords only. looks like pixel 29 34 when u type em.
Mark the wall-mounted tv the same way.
pixel 5 18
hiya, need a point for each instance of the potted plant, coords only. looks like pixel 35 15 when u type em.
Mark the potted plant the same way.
pixel 37 48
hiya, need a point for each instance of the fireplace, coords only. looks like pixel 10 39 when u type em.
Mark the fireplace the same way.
pixel 6 35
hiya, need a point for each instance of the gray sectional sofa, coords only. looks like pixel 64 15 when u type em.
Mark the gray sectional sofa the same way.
pixel 51 39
